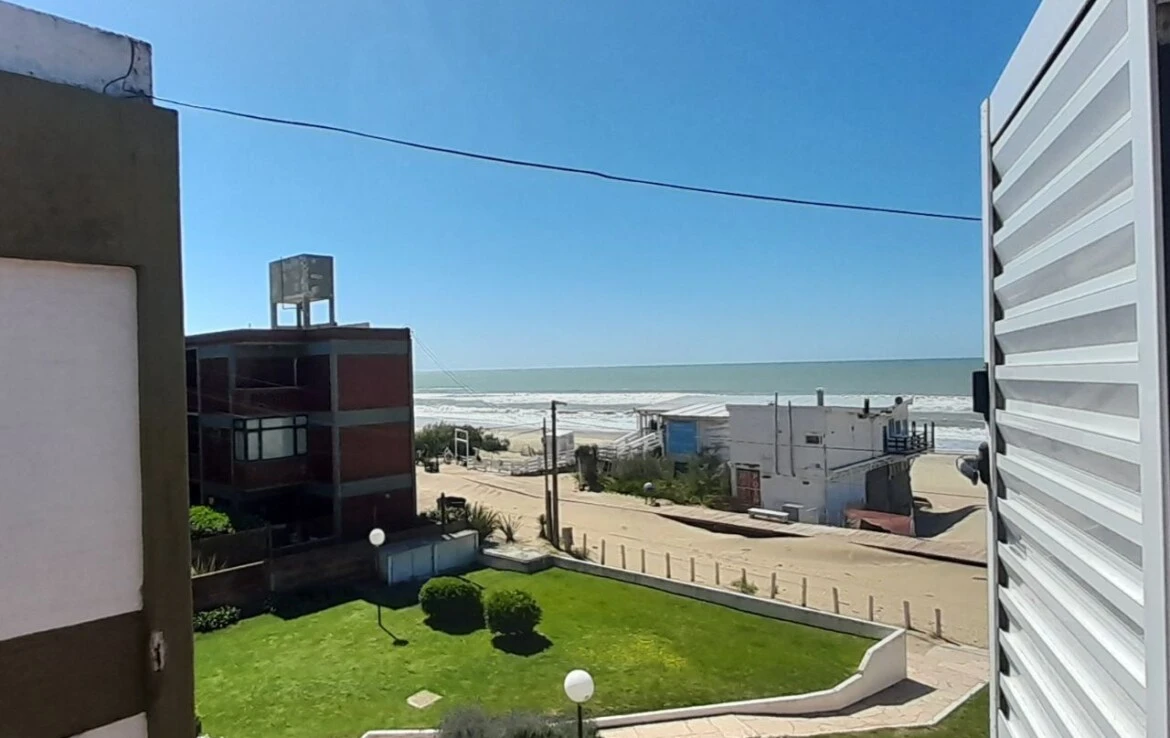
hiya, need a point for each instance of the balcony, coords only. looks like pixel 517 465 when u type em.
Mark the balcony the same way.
pixel 271 473
pixel 913 441
pixel 280 400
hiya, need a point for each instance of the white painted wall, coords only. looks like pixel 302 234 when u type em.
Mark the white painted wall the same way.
pixel 58 50
pixel 131 727
pixel 793 471
pixel 423 559
pixel 70 492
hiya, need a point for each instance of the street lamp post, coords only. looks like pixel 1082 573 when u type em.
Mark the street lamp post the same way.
pixel 579 688
pixel 377 537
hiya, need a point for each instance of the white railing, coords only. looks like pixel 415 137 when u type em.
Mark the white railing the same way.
pixel 521 467
pixel 631 444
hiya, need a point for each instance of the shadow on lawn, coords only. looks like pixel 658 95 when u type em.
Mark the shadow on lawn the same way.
pixel 458 627
pixel 291 605
pixel 522 645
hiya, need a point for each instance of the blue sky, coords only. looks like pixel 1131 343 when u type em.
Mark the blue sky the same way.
pixel 494 266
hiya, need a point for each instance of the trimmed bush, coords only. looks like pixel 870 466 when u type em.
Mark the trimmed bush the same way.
pixel 206 522
pixel 217 618
pixel 512 612
pixel 451 601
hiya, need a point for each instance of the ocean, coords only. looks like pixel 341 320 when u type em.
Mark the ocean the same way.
pixel 600 399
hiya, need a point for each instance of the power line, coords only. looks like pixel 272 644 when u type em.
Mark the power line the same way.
pixel 426 349
pixel 563 169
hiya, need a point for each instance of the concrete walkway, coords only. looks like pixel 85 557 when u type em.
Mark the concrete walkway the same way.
pixel 940 677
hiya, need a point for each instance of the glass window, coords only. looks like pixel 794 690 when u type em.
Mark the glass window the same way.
pixel 276 443
pixel 270 438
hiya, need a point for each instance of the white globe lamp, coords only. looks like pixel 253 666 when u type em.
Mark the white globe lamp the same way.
pixel 377 537
pixel 579 688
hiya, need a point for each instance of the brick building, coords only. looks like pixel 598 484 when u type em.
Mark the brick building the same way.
pixel 309 426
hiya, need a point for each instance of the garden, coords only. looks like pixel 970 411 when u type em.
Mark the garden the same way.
pixel 341 663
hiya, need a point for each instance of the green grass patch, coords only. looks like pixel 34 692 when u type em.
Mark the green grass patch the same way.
pixel 971 720
pixel 333 673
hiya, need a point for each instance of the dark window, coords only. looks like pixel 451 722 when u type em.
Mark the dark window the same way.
pixel 260 439
pixel 192 434
pixel 812 439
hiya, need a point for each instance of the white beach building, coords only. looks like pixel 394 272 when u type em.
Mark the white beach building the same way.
pixel 685 428
pixel 816 461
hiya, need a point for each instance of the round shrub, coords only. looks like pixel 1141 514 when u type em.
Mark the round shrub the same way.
pixel 512 612
pixel 450 600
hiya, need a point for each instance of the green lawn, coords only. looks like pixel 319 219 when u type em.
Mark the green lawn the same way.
pixel 334 674
pixel 969 721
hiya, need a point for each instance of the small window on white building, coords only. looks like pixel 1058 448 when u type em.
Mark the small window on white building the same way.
pixel 812 439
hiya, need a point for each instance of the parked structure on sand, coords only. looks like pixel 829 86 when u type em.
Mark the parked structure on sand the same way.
pixel 817 462
pixel 682 429
pixel 308 425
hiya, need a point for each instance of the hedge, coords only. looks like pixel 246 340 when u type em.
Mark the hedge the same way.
pixel 512 612
pixel 217 618
pixel 449 600
pixel 206 522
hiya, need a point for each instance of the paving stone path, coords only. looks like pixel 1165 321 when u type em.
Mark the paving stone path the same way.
pixel 940 677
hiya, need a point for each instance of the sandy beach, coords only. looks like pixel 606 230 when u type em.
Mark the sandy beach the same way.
pixel 958 590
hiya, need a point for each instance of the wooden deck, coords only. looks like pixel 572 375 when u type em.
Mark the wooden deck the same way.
pixel 961 552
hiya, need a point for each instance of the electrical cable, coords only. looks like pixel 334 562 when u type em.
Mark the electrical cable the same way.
pixel 561 168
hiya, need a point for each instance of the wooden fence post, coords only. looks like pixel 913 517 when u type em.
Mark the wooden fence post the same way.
pixel 804 591
pixel 603 552
pixel 773 585
pixel 585 544
pixel 668 564
pixel 716 573
pixel 623 556
pixel 906 614
pixel 836 601
pixel 692 568
pixel 643 561
pixel 937 623
pixel 871 608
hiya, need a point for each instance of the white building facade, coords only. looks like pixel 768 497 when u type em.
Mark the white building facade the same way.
pixel 816 461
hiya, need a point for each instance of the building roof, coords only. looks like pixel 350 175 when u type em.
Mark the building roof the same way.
pixel 299 335
pixel 686 408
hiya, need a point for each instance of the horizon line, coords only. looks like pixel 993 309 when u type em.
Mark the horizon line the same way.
pixel 702 364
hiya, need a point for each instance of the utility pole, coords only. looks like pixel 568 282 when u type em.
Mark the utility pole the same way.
pixel 548 514
pixel 556 496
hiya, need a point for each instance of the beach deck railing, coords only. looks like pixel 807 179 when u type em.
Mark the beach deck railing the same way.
pixel 524 467
pixel 631 444
pixel 914 441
